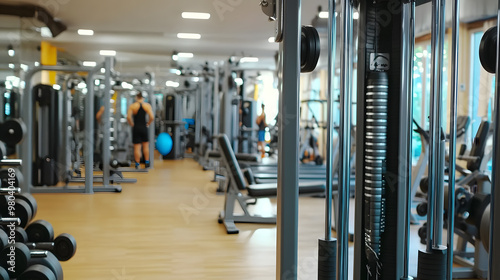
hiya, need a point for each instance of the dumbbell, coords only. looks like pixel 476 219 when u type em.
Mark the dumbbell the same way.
pixel 11 177
pixel 114 163
pixel 63 246
pixel 40 231
pixel 36 272
pixel 16 232
pixel 24 206
pixel 22 257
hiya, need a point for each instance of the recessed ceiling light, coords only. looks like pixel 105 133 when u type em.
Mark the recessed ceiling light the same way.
pixel 172 84
pixel 89 63
pixel 249 59
pixel 56 87
pixel 11 65
pixel 323 14
pixel 107 52
pixel 271 40
pixel 189 15
pixel 188 36
pixel 355 15
pixel 45 32
pixel 185 55
pixel 85 32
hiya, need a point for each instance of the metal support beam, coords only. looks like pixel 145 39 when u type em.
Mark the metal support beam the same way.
pixel 106 117
pixel 344 140
pixel 453 134
pixel 406 124
pixel 288 192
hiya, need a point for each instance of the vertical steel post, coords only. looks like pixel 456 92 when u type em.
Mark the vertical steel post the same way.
pixel 332 48
pixel 435 193
pixel 407 53
pixel 287 223
pixel 152 101
pixel 455 6
pixel 106 143
pixel 344 141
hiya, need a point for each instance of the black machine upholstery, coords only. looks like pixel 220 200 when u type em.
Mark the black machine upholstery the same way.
pixel 259 190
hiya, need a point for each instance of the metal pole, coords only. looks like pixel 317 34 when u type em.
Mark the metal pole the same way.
pixel 435 217
pixel 106 143
pixel 287 223
pixel 89 131
pixel 345 141
pixel 216 100
pixel 455 6
pixel 407 47
pixel 65 151
pixel 332 36
pixel 152 100
pixel 494 272
pixel 27 116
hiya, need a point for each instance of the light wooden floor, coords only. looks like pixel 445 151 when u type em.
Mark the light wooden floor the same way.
pixel 165 227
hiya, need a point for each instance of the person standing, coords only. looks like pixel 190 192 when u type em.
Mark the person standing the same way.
pixel 136 117
pixel 261 122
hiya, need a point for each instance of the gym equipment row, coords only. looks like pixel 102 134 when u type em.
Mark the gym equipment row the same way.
pixel 383 143
pixel 53 163
pixel 28 247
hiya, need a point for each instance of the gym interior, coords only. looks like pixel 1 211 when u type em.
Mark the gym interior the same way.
pixel 265 139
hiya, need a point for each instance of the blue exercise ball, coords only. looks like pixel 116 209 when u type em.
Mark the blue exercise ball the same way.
pixel 164 143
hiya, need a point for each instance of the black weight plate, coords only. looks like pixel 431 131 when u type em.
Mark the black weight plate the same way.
pixel 40 231
pixel 376 109
pixel 51 262
pixel 21 235
pixel 310 49
pixel 373 170
pixel 22 211
pixel 4 275
pixel 21 258
pixel 12 131
pixel 30 200
pixel 37 272
pixel 64 246
pixel 376 129
pixel 373 178
pixel 376 138
pixel 374 163
pixel 488 50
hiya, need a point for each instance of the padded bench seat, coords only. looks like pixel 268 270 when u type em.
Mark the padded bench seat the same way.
pixel 268 190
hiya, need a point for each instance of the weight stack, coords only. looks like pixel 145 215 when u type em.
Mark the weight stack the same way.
pixel 327 259
pixel 432 265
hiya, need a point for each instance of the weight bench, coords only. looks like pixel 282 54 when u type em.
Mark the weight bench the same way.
pixel 237 185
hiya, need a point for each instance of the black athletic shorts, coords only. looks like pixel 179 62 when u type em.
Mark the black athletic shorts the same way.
pixel 140 134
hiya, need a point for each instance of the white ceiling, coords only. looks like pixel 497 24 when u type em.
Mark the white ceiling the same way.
pixel 144 32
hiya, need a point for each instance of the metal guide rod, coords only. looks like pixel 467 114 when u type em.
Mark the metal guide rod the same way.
pixel 27 116
pixel 437 41
pixel 494 271
pixel 287 222
pixel 216 99
pixel 344 140
pixel 455 11
pixel 332 26
pixel 152 101
pixel 89 131
pixel 106 143
pixel 407 47
pixel 65 151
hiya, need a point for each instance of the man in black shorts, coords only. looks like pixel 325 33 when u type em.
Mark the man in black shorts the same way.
pixel 136 117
